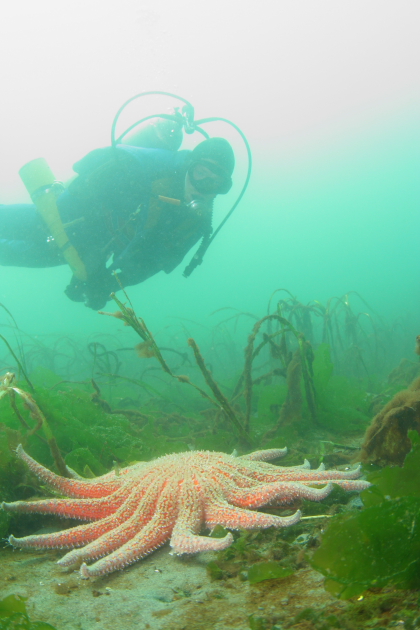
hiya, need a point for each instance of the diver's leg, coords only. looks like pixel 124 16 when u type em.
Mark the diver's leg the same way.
pixel 24 240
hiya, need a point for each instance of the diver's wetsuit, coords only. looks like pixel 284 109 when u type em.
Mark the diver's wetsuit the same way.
pixel 112 208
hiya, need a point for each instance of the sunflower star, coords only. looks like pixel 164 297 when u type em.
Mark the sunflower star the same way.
pixel 137 509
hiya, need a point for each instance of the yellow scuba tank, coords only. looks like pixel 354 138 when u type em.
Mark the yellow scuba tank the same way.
pixel 39 182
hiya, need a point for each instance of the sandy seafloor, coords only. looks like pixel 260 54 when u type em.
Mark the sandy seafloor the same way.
pixel 161 592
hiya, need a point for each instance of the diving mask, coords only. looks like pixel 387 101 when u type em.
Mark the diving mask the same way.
pixel 208 178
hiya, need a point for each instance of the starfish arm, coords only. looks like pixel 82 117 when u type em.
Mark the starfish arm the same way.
pixel 262 456
pixel 303 475
pixel 322 475
pixel 258 470
pixel 136 513
pixel 305 466
pixel 185 538
pixel 356 486
pixel 73 474
pixel 84 509
pixel 73 537
pixel 221 513
pixel 183 541
pixel 109 476
pixel 70 487
pixel 157 531
pixel 120 474
pixel 246 474
pixel 286 469
pixel 277 492
pixel 252 475
pixel 80 535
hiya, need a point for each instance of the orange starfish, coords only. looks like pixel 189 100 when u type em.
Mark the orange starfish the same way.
pixel 137 509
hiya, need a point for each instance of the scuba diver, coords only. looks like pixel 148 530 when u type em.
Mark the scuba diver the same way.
pixel 134 209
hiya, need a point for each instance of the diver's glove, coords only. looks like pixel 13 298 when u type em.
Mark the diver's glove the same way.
pixel 95 292
pixel 75 291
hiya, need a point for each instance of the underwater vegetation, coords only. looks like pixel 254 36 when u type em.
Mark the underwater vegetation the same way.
pixel 290 356
pixel 369 557
pixel 286 389
pixel 360 341
pixel 381 544
pixel 13 615
pixel 386 440
pixel 311 376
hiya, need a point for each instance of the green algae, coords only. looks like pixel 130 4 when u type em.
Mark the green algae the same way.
pixel 256 622
pixel 323 367
pixel 371 549
pixel 13 615
pixel 342 402
pixel 342 406
pixel 381 544
pixel 394 482
pixel 270 570
pixel 214 571
pixel 90 436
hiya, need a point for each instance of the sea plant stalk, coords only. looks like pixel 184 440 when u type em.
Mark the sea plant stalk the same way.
pixel 8 388
pixel 217 392
pixel 130 318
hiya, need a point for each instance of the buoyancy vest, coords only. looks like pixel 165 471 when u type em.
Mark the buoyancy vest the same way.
pixel 166 228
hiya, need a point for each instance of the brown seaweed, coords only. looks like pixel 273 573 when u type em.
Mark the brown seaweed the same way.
pixel 386 440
